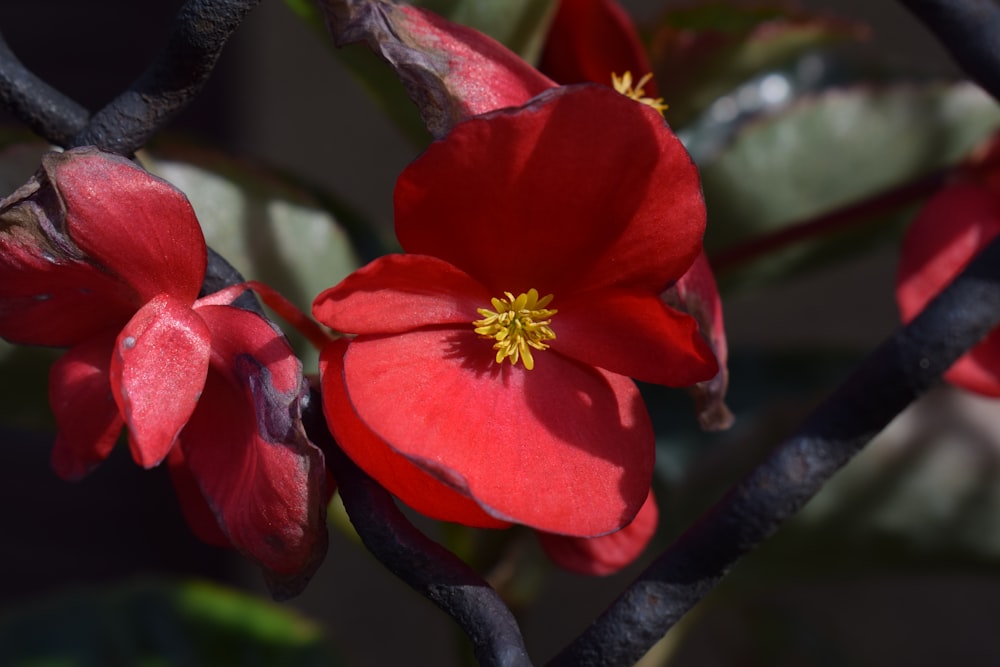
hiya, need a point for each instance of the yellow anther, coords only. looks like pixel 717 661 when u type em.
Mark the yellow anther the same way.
pixel 517 324
pixel 623 84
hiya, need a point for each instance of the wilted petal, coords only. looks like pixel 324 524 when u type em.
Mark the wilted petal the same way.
pixel 247 449
pixel 86 414
pixel 197 513
pixel 450 71
pixel 954 225
pixel 157 373
pixel 49 293
pixel 608 553
pixel 136 225
pixel 590 39
pixel 632 333
pixel 697 294
pixel 397 293
pixel 554 214
pixel 562 448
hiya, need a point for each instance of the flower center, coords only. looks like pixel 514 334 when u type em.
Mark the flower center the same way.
pixel 623 84
pixel 517 324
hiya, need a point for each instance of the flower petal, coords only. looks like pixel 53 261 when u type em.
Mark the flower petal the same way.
pixel 196 511
pixel 562 448
pixel 697 294
pixel 590 39
pixel 582 188
pixel 954 225
pixel 633 333
pixel 86 414
pixel 136 225
pixel 608 553
pixel 413 485
pixel 157 373
pixel 247 449
pixel 444 66
pixel 397 293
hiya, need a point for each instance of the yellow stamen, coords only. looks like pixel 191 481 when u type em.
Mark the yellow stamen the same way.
pixel 623 84
pixel 517 324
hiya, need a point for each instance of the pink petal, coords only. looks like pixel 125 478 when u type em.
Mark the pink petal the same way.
pixel 246 447
pixel 136 225
pixel 953 226
pixel 85 411
pixel 608 553
pixel 562 448
pixel 418 488
pixel 397 293
pixel 632 333
pixel 590 39
pixel 157 373
pixel 583 188
pixel 450 71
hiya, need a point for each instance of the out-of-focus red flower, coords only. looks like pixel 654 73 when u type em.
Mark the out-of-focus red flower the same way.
pixel 101 257
pixel 954 225
pixel 488 379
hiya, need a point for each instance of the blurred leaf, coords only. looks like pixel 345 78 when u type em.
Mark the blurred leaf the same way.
pixel 160 623
pixel 831 150
pixel 703 52
pixel 267 227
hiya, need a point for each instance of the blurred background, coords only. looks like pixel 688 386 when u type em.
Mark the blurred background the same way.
pixel 895 563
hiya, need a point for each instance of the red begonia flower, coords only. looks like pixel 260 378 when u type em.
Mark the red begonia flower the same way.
pixel 453 72
pixel 589 40
pixel 948 232
pixel 468 392
pixel 101 257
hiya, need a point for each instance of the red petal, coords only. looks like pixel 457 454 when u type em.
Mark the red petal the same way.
pixel 696 293
pixel 633 333
pixel 157 372
pixel 246 447
pixel 413 485
pixel 397 293
pixel 138 226
pixel 450 71
pixel 85 411
pixel 608 553
pixel 953 226
pixel 55 301
pixel 562 448
pixel 196 511
pixel 583 188
pixel 590 39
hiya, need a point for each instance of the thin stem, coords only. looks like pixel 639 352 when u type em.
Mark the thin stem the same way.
pixel 47 112
pixel 172 81
pixel 898 371
pixel 838 220
pixel 423 564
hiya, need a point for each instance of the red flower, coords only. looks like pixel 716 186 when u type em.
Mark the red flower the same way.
pixel 488 382
pixel 954 225
pixel 101 257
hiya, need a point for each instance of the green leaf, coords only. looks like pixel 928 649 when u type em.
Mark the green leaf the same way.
pixel 832 150
pixel 267 227
pixel 159 622
pixel 703 52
